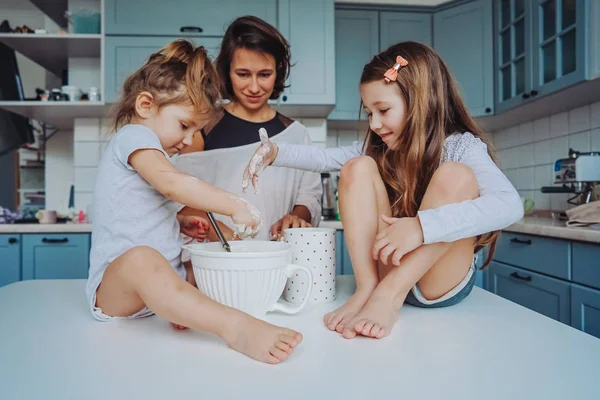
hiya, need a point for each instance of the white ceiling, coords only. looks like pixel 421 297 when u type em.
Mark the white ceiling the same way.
pixel 402 2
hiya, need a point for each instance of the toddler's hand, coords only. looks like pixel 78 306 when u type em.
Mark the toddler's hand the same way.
pixel 262 158
pixel 247 220
pixel 194 227
pixel 402 236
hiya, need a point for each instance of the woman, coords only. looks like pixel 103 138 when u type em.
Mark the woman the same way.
pixel 254 63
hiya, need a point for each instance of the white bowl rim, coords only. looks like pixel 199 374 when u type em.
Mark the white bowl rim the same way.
pixel 311 230
pixel 199 249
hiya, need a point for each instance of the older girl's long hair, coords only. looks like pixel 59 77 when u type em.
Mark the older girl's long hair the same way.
pixel 434 110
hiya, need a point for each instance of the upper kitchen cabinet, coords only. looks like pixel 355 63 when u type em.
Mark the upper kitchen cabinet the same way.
pixel 540 48
pixel 356 42
pixel 398 27
pixel 125 54
pixel 189 17
pixel 308 25
pixel 463 36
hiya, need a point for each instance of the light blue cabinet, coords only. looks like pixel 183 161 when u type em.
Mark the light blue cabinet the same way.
pixel 356 42
pixel 10 259
pixel 586 264
pixel 398 27
pixel 55 256
pixel 537 292
pixel 125 54
pixel 162 18
pixel 463 36
pixel 585 309
pixel 541 47
pixel 342 256
pixel 308 25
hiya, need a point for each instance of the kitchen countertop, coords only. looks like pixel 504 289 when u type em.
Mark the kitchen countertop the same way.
pixel 547 226
pixel 46 228
pixel 485 347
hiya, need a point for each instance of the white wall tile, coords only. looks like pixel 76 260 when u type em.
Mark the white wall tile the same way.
pixel 526 193
pixel 512 136
pixel 512 175
pixel 580 141
pixel 59 171
pixel 542 152
pixel 526 133
pixel 526 155
pixel 560 148
pixel 332 138
pixel 595 115
pixel 525 179
pixel 83 200
pixel 542 176
pixel 511 158
pixel 85 179
pixel 86 154
pixel 346 138
pixel 579 119
pixel 559 124
pixel 87 129
pixel 501 139
pixel 317 127
pixel 541 129
pixel 542 200
pixel 595 139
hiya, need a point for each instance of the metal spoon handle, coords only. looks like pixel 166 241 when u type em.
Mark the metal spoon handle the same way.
pixel 215 226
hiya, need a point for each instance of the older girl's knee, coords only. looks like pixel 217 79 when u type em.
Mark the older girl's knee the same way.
pixel 357 168
pixel 455 179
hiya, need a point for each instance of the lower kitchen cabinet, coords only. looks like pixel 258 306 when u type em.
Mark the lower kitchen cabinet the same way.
pixel 10 259
pixel 585 309
pixel 55 256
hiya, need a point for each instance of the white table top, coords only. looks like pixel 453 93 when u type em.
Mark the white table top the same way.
pixel 483 348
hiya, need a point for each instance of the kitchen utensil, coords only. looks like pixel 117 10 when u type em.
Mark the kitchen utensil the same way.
pixel 215 226
pixel 579 174
pixel 327 197
pixel 313 248
pixel 251 278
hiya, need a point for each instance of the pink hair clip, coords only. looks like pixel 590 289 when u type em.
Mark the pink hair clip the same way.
pixel 392 73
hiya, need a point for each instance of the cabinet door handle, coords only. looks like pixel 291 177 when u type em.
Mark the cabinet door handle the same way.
pixel 191 29
pixel 12 240
pixel 521 278
pixel 516 240
pixel 488 110
pixel 533 93
pixel 525 95
pixel 50 240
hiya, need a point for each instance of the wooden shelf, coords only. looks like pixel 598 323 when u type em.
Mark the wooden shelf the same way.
pixel 52 51
pixel 59 114
pixel 54 9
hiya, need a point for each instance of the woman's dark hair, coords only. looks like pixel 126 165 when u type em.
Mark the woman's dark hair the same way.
pixel 253 33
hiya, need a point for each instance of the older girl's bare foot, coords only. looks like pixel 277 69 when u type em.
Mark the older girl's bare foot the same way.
pixel 337 320
pixel 376 319
pixel 179 327
pixel 262 341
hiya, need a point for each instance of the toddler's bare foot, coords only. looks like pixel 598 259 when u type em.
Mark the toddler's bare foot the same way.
pixel 262 341
pixel 376 318
pixel 178 327
pixel 337 320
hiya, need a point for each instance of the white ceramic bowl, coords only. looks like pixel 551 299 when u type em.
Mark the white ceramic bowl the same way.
pixel 251 278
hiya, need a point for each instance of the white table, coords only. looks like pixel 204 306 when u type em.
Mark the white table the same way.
pixel 484 348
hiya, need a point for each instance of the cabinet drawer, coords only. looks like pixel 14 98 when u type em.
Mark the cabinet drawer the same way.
pixel 540 254
pixel 205 18
pixel 56 256
pixel 539 293
pixel 585 310
pixel 586 264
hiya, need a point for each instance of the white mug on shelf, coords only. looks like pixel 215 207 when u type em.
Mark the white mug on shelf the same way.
pixel 313 248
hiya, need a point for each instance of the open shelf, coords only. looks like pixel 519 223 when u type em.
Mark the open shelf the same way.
pixel 59 114
pixel 54 9
pixel 52 51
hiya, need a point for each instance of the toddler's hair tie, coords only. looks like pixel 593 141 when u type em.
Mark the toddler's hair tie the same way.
pixel 392 73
